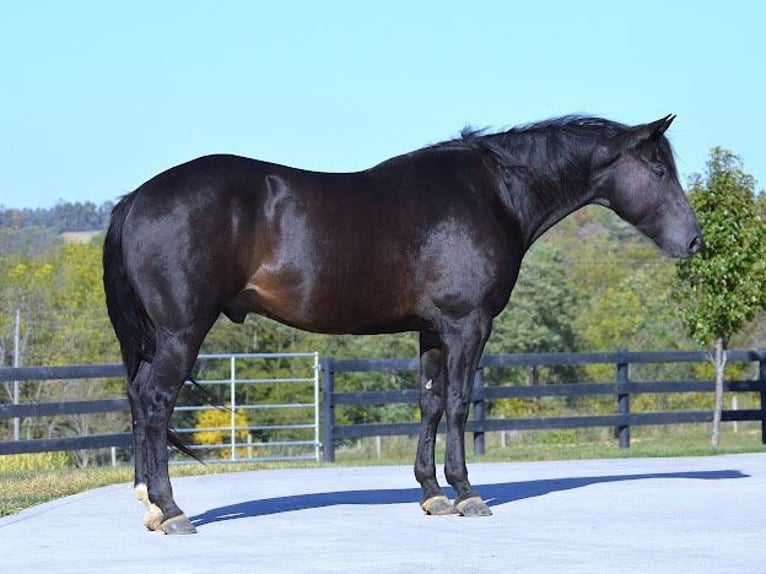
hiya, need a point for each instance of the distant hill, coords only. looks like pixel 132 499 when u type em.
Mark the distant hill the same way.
pixel 28 231
pixel 61 218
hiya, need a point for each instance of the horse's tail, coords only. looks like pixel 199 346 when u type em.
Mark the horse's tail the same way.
pixel 132 325
pixel 135 331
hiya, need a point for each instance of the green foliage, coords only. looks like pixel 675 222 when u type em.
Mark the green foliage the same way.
pixel 27 242
pixel 724 286
pixel 32 232
pixel 632 312
pixel 33 462
pixel 254 335
pixel 63 321
pixel 61 299
pixel 623 289
pixel 540 315
pixel 623 284
pixel 539 318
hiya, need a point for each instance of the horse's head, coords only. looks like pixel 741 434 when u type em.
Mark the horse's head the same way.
pixel 635 175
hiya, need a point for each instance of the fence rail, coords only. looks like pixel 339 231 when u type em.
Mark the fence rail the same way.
pixel 233 445
pixel 33 410
pixel 622 388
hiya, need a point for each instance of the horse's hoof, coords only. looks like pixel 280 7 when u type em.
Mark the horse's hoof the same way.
pixel 473 506
pixel 437 505
pixel 178 525
pixel 153 517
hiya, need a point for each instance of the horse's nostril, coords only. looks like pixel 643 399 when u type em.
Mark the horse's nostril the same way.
pixel 695 244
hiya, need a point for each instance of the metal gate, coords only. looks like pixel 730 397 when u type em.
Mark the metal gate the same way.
pixel 256 407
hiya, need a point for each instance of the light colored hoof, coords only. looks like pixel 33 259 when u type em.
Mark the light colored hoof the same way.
pixel 473 506
pixel 178 525
pixel 438 505
pixel 153 517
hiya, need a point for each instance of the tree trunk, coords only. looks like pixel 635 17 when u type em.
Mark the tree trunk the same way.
pixel 719 359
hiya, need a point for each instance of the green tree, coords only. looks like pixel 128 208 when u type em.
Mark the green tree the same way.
pixel 539 317
pixel 622 286
pixel 724 287
pixel 60 298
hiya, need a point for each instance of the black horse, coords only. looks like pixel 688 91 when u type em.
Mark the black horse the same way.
pixel 430 241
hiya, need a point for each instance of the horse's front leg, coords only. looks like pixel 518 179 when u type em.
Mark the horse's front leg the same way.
pixel 432 403
pixel 463 343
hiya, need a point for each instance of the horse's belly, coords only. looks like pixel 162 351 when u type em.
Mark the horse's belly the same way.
pixel 336 307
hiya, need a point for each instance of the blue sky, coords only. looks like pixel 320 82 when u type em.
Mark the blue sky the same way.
pixel 97 97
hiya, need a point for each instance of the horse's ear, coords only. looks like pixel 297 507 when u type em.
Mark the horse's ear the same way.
pixel 663 124
pixel 611 150
pixel 644 132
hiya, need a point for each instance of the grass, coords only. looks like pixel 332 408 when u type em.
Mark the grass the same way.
pixel 25 482
pixel 675 441
pixel 21 489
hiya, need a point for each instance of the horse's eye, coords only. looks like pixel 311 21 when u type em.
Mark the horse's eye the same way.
pixel 658 169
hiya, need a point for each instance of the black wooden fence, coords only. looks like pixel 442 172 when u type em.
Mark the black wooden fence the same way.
pixel 621 388
pixel 74 372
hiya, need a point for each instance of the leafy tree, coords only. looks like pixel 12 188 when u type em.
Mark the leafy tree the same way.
pixel 399 345
pixel 724 286
pixel 65 216
pixel 28 241
pixel 539 317
pixel 63 321
pixel 622 285
pixel 23 287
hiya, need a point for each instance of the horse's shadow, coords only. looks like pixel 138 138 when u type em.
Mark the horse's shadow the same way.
pixel 493 494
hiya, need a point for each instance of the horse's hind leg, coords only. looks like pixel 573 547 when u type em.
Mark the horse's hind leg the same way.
pixel 153 516
pixel 174 356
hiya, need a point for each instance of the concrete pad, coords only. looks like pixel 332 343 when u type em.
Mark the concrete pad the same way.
pixel 701 515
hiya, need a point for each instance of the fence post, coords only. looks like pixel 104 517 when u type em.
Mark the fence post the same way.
pixel 317 437
pixel 233 411
pixel 623 400
pixel 479 411
pixel 328 409
pixel 762 380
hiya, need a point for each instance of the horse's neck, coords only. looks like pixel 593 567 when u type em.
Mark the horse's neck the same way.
pixel 543 199
pixel 545 216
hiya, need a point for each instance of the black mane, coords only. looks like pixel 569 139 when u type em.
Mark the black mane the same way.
pixel 510 148
pixel 541 158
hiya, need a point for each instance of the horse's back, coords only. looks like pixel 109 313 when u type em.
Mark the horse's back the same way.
pixel 330 252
